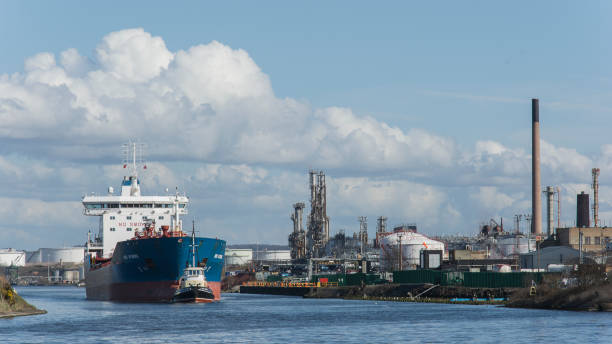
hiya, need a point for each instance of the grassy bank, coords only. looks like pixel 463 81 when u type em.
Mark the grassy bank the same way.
pixel 11 304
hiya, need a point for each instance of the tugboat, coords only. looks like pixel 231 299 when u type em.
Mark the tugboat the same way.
pixel 193 287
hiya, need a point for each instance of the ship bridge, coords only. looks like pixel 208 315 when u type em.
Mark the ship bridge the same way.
pixel 122 215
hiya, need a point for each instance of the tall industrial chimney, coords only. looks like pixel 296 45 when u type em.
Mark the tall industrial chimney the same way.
pixel 582 207
pixel 550 194
pixel 536 198
pixel 595 172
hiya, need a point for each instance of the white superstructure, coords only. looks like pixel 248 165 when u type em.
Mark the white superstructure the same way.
pixel 124 214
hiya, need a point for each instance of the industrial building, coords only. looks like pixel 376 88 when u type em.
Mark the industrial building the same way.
pixel 584 237
pixel 547 256
pixel 594 239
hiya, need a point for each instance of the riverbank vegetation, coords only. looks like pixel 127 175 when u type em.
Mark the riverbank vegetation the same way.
pixel 11 304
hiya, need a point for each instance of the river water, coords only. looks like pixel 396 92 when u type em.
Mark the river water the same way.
pixel 242 318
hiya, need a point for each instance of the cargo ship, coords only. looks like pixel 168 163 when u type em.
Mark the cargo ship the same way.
pixel 141 251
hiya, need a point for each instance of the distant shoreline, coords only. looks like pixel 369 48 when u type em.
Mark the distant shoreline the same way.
pixel 22 313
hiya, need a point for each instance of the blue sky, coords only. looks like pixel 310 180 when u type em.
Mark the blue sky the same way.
pixel 393 61
pixel 461 72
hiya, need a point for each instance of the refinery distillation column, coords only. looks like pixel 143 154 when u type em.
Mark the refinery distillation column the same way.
pixel 363 233
pixel 381 228
pixel 536 198
pixel 318 221
pixel 297 239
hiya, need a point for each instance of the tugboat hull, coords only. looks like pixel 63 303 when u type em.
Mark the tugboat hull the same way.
pixel 194 295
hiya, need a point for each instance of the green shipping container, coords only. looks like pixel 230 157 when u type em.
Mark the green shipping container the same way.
pixel 470 279
pixel 417 276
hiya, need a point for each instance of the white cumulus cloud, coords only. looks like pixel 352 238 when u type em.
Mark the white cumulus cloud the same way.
pixel 215 128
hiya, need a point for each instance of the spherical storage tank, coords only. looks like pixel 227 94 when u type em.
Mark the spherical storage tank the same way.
pixel 412 244
pixel 56 255
pixel 10 257
pixel 239 256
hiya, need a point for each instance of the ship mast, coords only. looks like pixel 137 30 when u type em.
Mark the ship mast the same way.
pixel 193 244
pixel 177 224
pixel 132 156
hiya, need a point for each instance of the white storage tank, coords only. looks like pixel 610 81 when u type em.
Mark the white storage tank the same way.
pixel 71 276
pixel 11 256
pixel 57 255
pixel 411 243
pixel 274 255
pixel 512 245
pixel 238 256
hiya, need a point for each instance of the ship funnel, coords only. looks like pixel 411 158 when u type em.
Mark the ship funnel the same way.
pixel 135 188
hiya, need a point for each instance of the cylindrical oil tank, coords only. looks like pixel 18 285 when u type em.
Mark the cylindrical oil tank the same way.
pixel 57 255
pixel 411 246
pixel 582 216
pixel 238 256
pixel 275 255
pixel 71 275
pixel 13 257
pixel 512 245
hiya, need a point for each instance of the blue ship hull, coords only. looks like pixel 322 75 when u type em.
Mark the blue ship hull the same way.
pixel 148 270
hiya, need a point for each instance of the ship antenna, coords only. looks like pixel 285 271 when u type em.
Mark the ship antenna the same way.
pixel 132 156
pixel 134 170
pixel 193 242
